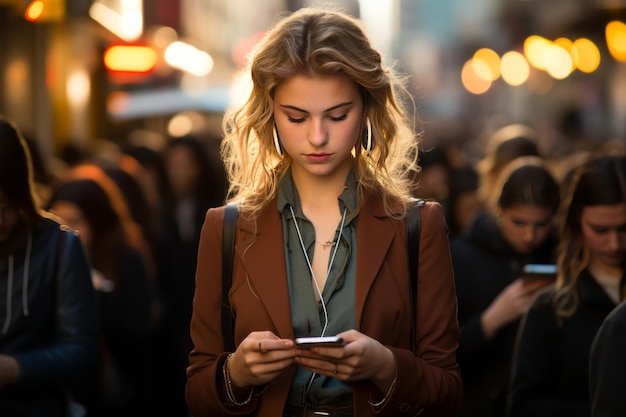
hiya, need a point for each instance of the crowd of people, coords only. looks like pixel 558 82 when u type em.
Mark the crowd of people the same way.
pixel 137 220
pixel 111 298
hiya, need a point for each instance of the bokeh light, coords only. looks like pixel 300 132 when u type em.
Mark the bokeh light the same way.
pixel 514 68
pixel 616 40
pixel 472 82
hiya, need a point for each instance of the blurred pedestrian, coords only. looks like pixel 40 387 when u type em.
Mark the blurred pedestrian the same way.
pixel 172 337
pixel 124 294
pixel 195 188
pixel 504 145
pixel 551 363
pixel 515 230
pixel 49 337
pixel 463 203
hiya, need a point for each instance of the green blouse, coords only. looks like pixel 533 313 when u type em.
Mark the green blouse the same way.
pixel 338 295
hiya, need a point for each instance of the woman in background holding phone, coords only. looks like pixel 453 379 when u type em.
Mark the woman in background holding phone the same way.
pixel 320 160
pixel 551 365
pixel 516 230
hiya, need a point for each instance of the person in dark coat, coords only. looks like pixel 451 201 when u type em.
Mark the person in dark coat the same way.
pixel 551 360
pixel 48 322
pixel 607 367
pixel 124 293
pixel 488 262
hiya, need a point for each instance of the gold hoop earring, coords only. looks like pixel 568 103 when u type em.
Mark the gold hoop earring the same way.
pixel 279 148
pixel 367 142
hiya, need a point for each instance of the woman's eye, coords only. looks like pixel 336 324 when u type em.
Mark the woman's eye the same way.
pixel 339 118
pixel 294 120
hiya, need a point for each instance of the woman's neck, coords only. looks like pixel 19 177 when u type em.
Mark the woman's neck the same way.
pixel 600 268
pixel 320 191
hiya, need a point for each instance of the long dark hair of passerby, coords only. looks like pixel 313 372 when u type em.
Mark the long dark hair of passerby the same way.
pixel 599 181
pixel 16 171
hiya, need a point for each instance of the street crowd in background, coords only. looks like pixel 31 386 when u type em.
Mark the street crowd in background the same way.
pixel 525 345
pixel 139 217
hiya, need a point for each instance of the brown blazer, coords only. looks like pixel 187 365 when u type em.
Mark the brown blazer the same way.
pixel 428 381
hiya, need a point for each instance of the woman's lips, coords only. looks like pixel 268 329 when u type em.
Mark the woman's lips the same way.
pixel 317 157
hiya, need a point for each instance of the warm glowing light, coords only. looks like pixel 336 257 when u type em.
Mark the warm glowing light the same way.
pixel 616 40
pixel 560 65
pixel 122 18
pixel 78 88
pixel 130 58
pixel 472 82
pixel 486 64
pixel 537 51
pixel 189 58
pixel 514 68
pixel 34 11
pixel 568 45
pixel 588 55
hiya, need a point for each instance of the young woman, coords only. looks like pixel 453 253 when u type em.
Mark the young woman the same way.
pixel 319 160
pixel 48 334
pixel 551 374
pixel 94 207
pixel 488 264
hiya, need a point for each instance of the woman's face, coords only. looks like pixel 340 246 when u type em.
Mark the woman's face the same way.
pixel 73 217
pixel 318 122
pixel 9 219
pixel 526 226
pixel 604 232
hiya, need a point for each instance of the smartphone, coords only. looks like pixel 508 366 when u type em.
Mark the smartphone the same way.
pixel 326 341
pixel 539 271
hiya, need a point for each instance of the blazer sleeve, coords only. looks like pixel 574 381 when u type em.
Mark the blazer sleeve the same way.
pixel 430 380
pixel 204 373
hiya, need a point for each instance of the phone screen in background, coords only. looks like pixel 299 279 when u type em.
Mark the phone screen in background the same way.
pixel 543 272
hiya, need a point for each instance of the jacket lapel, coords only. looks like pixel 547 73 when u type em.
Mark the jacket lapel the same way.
pixel 263 256
pixel 374 237
pixel 264 259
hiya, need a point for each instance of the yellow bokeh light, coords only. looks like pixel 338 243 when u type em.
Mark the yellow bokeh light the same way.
pixel 34 11
pixel 568 45
pixel 514 68
pixel 537 51
pixel 130 58
pixel 486 64
pixel 588 55
pixel 472 81
pixel 560 65
pixel 616 40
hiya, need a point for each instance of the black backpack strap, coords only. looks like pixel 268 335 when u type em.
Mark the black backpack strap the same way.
pixel 413 226
pixel 228 249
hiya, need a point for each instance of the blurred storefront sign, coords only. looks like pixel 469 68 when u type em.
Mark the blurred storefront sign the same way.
pixel 154 103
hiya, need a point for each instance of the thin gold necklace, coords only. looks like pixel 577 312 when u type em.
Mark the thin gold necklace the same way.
pixel 308 261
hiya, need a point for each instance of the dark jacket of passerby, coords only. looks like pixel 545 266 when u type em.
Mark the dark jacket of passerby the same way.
pixel 484 264
pixel 607 367
pixel 47 319
pixel 552 365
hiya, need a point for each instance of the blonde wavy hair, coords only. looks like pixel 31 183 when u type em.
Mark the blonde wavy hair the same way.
pixel 320 42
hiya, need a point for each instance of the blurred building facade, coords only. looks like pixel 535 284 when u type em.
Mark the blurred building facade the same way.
pixel 56 85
